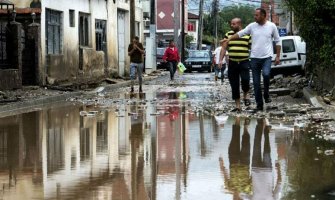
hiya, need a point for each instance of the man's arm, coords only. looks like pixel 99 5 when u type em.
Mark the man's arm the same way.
pixel 222 53
pixel 131 50
pixel 278 47
pixel 277 60
pixel 140 48
pixel 226 39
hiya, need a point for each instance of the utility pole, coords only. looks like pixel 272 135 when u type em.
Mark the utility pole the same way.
pixel 270 6
pixel 201 8
pixel 215 16
pixel 176 20
pixel 291 23
pixel 182 30
pixel 150 62
pixel 132 19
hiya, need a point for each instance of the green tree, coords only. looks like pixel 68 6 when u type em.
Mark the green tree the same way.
pixel 315 21
pixel 224 17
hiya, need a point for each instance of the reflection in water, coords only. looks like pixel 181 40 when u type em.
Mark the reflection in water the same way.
pixel 262 178
pixel 130 154
pixel 238 181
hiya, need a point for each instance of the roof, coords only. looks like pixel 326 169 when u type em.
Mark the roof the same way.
pixel 6 2
pixel 192 16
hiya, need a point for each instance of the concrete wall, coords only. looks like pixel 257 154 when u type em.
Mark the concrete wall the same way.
pixel 65 66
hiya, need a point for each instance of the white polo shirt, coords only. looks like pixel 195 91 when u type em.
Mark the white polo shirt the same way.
pixel 262 38
pixel 217 55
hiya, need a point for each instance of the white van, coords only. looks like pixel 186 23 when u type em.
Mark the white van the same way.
pixel 293 53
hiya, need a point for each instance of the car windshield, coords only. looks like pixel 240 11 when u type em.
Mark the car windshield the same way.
pixel 198 54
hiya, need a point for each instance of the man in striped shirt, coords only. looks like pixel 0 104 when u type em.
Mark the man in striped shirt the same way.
pixel 239 64
pixel 263 33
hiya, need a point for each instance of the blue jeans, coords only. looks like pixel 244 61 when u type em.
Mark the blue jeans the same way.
pixel 217 70
pixel 136 67
pixel 258 66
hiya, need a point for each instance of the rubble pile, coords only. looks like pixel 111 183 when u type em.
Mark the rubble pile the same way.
pixel 291 85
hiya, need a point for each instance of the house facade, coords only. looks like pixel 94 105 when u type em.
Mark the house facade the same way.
pixel 165 19
pixel 81 41
pixel 192 26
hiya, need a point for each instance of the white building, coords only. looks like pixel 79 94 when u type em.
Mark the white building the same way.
pixel 84 40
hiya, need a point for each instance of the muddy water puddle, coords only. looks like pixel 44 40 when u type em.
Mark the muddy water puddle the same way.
pixel 160 146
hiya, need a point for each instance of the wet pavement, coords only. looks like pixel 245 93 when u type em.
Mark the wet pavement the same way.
pixel 178 140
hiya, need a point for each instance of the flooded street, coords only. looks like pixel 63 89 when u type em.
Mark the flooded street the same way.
pixel 177 140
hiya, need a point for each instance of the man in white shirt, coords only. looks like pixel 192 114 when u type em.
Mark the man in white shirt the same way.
pixel 263 33
pixel 219 68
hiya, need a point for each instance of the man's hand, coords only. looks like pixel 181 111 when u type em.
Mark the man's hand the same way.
pixel 277 60
pixel 220 65
pixel 224 40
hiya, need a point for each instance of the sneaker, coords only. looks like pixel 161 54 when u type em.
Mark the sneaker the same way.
pixel 268 100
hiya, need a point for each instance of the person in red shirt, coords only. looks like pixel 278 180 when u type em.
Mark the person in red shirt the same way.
pixel 171 56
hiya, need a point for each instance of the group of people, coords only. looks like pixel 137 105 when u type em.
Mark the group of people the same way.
pixel 251 47
pixel 241 49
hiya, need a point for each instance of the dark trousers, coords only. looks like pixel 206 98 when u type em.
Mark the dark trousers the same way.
pixel 237 70
pixel 172 67
pixel 258 66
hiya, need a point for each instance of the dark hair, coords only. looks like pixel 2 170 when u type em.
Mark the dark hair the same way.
pixel 171 41
pixel 137 38
pixel 262 10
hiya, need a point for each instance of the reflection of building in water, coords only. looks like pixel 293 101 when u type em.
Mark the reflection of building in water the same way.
pixel 65 155
pixel 20 153
pixel 172 145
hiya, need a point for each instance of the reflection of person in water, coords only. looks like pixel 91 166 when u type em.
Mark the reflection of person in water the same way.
pixel 137 154
pixel 262 178
pixel 173 109
pixel 238 181
pixel 35 4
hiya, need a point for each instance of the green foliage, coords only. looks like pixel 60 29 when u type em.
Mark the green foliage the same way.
pixel 188 40
pixel 224 17
pixel 315 20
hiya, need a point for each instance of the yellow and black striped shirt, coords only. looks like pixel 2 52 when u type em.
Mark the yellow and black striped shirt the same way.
pixel 238 49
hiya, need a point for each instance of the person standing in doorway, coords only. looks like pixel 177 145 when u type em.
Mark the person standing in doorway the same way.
pixel 239 64
pixel 136 51
pixel 263 34
pixel 171 56
pixel 219 68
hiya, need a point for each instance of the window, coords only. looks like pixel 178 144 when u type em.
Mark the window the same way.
pixel 84 29
pixel 3 50
pixel 71 18
pixel 100 35
pixel 288 46
pixel 191 27
pixel 54 31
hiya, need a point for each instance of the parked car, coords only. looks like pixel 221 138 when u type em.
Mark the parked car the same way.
pixel 292 55
pixel 159 58
pixel 199 60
